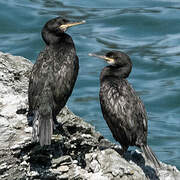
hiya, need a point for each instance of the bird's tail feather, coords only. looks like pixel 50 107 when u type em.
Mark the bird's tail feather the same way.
pixel 150 155
pixel 42 128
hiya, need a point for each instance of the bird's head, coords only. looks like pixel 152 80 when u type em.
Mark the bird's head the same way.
pixel 115 58
pixel 120 63
pixel 56 27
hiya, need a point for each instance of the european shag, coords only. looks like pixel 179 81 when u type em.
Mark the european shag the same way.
pixel 122 109
pixel 52 78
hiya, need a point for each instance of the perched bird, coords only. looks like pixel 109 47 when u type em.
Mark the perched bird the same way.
pixel 52 78
pixel 122 109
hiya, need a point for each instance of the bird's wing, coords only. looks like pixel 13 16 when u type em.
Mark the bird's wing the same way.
pixel 131 107
pixel 123 108
pixel 38 79
pixel 65 76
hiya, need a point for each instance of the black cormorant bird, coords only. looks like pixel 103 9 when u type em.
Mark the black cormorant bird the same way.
pixel 122 109
pixel 52 78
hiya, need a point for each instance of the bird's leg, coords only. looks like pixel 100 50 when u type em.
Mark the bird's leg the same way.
pixel 124 149
pixel 56 124
pixel 30 117
pixel 58 128
pixel 121 150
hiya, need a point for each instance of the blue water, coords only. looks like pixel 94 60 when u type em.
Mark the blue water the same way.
pixel 149 31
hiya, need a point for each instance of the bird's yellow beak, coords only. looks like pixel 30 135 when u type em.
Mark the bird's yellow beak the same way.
pixel 65 26
pixel 108 59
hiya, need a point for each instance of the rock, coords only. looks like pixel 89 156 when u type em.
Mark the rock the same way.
pixel 63 168
pixel 77 150
pixel 64 160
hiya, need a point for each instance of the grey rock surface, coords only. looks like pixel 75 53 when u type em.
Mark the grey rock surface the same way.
pixel 77 150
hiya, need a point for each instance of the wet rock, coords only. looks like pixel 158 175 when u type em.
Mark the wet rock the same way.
pixel 77 150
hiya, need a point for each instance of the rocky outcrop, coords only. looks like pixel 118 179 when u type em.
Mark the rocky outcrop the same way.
pixel 77 150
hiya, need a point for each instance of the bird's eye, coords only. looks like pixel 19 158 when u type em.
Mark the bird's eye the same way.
pixel 109 54
pixel 64 21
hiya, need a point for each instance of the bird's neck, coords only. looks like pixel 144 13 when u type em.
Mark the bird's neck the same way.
pixel 63 43
pixel 57 40
pixel 116 72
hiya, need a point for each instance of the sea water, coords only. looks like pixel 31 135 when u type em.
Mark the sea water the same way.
pixel 148 31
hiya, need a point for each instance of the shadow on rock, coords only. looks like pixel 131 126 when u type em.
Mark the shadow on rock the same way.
pixel 70 142
pixel 139 160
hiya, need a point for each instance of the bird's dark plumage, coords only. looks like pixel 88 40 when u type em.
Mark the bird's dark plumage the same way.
pixel 52 78
pixel 122 109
